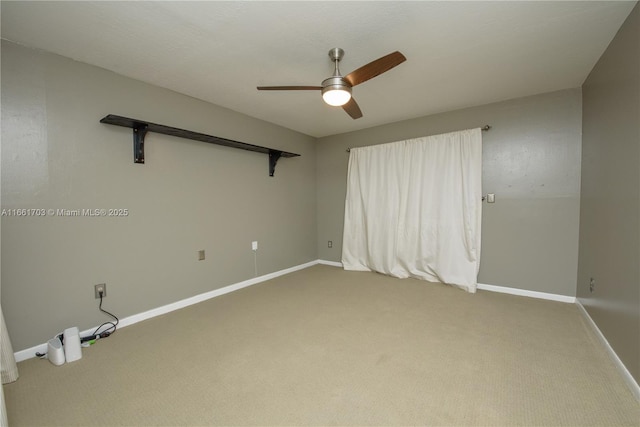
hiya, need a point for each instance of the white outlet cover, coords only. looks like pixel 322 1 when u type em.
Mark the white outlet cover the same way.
pixel 254 246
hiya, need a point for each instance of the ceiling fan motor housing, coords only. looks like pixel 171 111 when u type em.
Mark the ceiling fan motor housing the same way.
pixel 335 83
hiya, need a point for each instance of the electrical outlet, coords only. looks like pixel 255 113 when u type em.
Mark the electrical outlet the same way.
pixel 102 287
pixel 330 244
pixel 592 285
pixel 254 245
pixel 201 255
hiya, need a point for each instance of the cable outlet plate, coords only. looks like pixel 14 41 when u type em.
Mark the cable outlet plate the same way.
pixel 102 287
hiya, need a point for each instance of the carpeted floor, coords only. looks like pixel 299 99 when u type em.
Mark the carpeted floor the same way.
pixel 323 346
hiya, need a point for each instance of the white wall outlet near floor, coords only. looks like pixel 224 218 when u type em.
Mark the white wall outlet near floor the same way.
pixel 254 245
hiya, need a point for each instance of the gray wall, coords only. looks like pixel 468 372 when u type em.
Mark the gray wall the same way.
pixel 610 206
pixel 188 196
pixel 531 161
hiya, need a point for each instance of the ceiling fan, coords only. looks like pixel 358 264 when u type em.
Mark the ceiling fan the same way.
pixel 336 90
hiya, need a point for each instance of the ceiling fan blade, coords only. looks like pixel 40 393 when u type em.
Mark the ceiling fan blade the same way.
pixel 352 109
pixel 289 87
pixel 375 68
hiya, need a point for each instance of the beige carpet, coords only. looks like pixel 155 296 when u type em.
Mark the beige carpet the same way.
pixel 327 347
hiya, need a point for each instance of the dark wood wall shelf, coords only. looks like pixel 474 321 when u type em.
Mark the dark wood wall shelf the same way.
pixel 141 127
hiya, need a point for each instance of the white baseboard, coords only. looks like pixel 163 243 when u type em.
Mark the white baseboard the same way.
pixel 42 348
pixel 626 375
pixel 525 293
pixel 493 288
pixel 208 295
pixel 28 353
pixel 332 263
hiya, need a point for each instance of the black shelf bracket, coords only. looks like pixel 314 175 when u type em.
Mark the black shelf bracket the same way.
pixel 141 127
pixel 274 155
pixel 139 132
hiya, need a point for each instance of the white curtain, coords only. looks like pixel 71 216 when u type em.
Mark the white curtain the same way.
pixel 4 422
pixel 8 366
pixel 414 209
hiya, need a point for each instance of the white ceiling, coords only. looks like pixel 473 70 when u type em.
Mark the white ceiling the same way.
pixel 459 54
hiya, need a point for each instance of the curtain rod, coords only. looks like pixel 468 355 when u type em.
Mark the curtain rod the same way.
pixel 483 128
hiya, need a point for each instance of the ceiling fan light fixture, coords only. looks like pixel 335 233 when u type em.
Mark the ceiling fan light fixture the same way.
pixel 336 97
pixel 335 92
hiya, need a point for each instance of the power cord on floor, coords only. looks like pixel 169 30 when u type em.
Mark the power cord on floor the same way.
pixel 111 329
